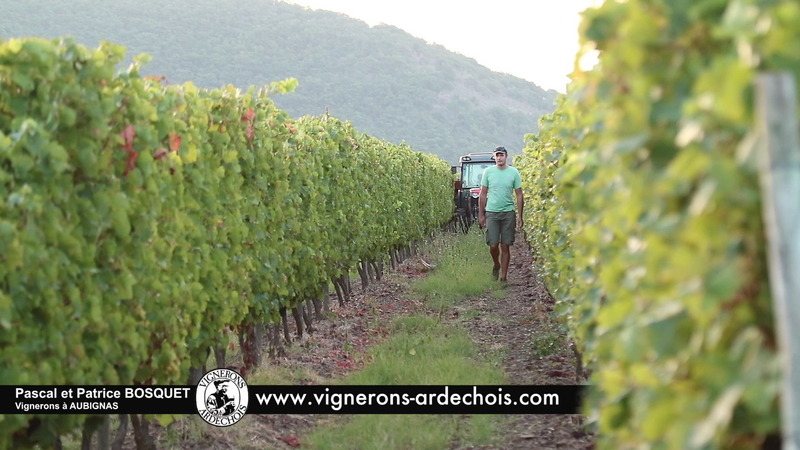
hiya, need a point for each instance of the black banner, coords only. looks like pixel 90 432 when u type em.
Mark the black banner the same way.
pixel 239 399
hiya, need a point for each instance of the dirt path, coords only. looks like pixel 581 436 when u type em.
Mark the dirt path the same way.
pixel 518 325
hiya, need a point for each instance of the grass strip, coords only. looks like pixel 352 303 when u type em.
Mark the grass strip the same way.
pixel 423 350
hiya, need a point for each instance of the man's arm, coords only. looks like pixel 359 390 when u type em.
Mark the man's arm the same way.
pixel 482 206
pixel 520 206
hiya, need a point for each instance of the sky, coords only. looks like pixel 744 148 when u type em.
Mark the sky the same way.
pixel 536 40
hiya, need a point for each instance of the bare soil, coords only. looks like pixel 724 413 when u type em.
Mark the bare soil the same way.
pixel 511 325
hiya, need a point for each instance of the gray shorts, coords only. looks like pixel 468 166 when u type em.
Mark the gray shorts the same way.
pixel 500 227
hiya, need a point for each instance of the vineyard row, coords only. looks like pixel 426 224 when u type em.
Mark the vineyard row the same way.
pixel 139 222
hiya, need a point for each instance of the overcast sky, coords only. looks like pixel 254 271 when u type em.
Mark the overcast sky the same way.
pixel 533 39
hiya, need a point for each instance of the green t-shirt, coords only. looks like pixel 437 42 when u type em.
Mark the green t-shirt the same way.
pixel 501 184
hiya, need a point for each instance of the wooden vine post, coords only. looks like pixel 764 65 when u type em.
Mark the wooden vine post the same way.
pixel 779 169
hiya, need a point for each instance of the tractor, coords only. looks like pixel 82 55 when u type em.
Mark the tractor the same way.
pixel 468 186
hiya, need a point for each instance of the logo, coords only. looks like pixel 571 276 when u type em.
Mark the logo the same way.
pixel 222 397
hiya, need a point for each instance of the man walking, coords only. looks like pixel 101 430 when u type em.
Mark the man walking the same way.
pixel 496 210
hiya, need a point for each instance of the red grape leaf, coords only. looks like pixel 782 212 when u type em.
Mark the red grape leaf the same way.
pixel 174 141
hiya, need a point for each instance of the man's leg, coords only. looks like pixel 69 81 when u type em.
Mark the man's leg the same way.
pixel 493 241
pixel 507 237
pixel 505 260
pixel 494 250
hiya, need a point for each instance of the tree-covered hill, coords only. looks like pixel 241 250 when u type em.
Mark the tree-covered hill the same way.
pixel 385 81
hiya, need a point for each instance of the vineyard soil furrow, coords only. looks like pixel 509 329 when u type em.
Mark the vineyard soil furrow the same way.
pixel 536 352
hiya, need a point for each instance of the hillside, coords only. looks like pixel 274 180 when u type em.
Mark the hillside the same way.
pixel 385 81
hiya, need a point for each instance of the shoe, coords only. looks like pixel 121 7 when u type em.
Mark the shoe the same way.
pixel 503 282
pixel 495 272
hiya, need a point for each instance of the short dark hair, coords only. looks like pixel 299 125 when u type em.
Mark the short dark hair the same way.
pixel 501 149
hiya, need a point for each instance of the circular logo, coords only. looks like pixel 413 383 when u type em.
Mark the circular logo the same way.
pixel 222 397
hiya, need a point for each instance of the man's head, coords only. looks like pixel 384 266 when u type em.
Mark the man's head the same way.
pixel 500 155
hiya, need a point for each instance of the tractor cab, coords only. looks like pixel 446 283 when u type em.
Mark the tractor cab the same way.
pixel 468 184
